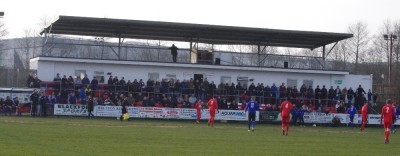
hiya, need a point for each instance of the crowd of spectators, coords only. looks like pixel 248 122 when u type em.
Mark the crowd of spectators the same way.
pixel 185 93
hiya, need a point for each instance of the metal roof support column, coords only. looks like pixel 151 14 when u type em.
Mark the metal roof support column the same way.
pixel 259 53
pixel 190 51
pixel 323 57
pixel 119 47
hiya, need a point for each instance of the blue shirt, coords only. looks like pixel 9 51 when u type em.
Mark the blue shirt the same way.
pixel 252 107
pixel 352 111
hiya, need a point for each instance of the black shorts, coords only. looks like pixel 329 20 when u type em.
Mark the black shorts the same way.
pixel 252 116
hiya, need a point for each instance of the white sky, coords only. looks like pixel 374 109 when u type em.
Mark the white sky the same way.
pixel 311 15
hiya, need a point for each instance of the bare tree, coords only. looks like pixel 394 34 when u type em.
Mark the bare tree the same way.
pixel 3 30
pixel 358 44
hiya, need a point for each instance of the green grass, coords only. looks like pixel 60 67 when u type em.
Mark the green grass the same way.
pixel 107 136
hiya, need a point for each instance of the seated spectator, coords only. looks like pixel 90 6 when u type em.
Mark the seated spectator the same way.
pixel 72 98
pixel 192 99
pixel 341 108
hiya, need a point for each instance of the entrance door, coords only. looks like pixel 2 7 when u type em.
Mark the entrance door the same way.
pixel 198 77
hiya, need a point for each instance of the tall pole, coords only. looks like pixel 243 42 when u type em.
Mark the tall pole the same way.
pixel 390 61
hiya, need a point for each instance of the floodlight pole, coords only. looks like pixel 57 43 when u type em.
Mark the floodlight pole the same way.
pixel 390 39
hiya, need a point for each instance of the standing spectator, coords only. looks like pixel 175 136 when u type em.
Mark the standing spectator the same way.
pixel 212 88
pixel 331 96
pixel 282 92
pixel 369 96
pixel 16 105
pixel 35 101
pixel 324 95
pixel 360 91
pixel 110 83
pixel 122 83
pixel 303 90
pixel 317 93
pixel 70 82
pixel 275 93
pixel 343 94
pixel 82 93
pixel 350 95
pixel 64 82
pixel 341 108
pixel 115 83
pixel 174 52
pixel 338 93
pixel 52 98
pixel 85 80
pixel 57 78
pixel 8 106
pixel 43 105
pixel 94 84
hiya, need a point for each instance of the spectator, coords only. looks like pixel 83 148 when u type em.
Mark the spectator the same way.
pixel 88 91
pixel 341 108
pixel 70 82
pixel 94 84
pixel 317 93
pixel 360 91
pixel 52 98
pixel 369 95
pixel 130 99
pixel 110 83
pixel 174 52
pixel 122 83
pixel 350 94
pixel 57 78
pixel 82 93
pixel 275 93
pixel 324 95
pixel 85 80
pixel 78 80
pixel 343 94
pixel 8 106
pixel 35 101
pixel 72 98
pixel 331 96
pixel 192 99
pixel 303 90
pixel 64 82
pixel 43 105
pixel 338 92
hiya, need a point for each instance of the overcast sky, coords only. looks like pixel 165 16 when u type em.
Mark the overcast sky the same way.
pixel 311 15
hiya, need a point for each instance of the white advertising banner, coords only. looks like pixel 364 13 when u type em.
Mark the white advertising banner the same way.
pixel 68 109
pixel 315 117
pixel 114 111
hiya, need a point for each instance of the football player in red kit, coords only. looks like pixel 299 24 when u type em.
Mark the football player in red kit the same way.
pixel 199 108
pixel 212 107
pixel 387 116
pixel 286 107
pixel 364 116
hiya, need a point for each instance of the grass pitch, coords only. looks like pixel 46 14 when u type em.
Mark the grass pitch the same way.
pixel 106 136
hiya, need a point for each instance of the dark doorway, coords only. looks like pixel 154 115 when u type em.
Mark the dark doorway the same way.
pixel 198 77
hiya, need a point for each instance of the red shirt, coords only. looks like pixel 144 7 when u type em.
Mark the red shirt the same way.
pixel 198 106
pixel 212 104
pixel 286 107
pixel 387 113
pixel 364 110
